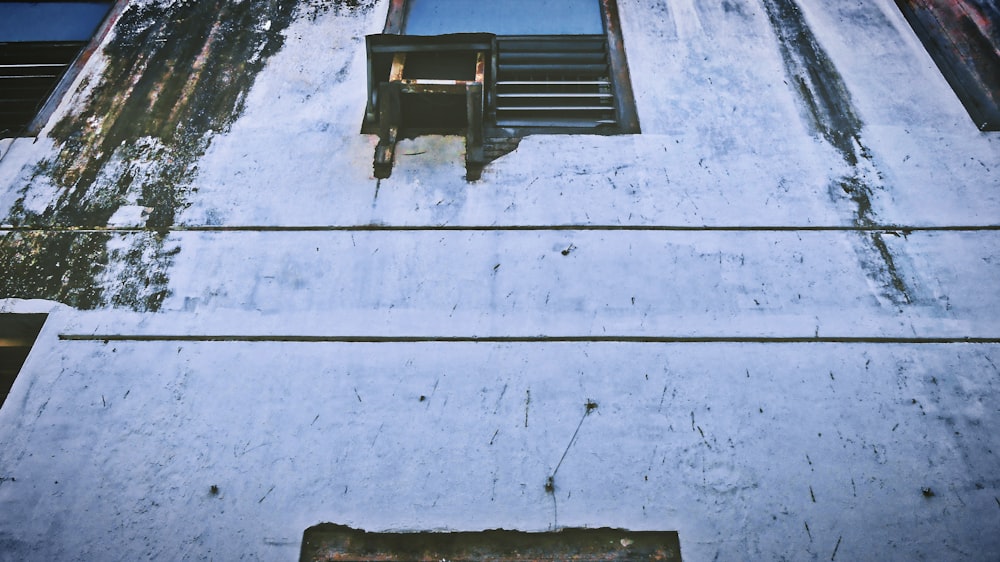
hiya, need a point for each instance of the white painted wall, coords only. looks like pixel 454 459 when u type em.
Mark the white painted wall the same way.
pixel 751 450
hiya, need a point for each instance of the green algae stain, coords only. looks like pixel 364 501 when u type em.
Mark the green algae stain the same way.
pixel 59 266
pixel 174 75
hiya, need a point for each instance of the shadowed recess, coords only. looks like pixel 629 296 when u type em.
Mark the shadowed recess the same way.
pixel 17 334
pixel 327 542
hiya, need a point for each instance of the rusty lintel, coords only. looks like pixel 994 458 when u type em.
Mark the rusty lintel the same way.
pixel 328 542
pixel 628 118
pixel 963 38
pixel 394 18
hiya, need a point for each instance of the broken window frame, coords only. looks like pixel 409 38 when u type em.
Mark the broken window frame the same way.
pixel 386 116
pixel 627 119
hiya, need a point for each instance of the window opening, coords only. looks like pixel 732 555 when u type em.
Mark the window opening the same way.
pixel 504 17
pixel 327 542
pixel 39 43
pixel 552 67
pixel 17 334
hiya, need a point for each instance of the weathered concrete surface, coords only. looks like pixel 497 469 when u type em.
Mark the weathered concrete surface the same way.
pixel 825 229
pixel 728 443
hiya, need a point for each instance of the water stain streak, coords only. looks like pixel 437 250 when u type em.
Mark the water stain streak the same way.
pixel 829 111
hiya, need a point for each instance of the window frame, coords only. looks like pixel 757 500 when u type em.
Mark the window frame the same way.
pixel 51 100
pixel 625 111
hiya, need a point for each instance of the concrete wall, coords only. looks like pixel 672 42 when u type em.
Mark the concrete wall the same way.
pixel 782 296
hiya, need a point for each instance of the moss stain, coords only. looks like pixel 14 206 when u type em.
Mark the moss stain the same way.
pixel 175 75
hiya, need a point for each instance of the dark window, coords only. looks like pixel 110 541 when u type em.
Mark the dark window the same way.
pixel 496 69
pixel 328 541
pixel 39 43
pixel 17 335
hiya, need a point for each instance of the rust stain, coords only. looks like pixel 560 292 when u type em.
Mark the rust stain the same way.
pixel 963 38
pixel 394 17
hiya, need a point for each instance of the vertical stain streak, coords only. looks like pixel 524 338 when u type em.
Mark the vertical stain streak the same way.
pixel 496 408
pixel 830 112
pixel 197 69
pixel 836 548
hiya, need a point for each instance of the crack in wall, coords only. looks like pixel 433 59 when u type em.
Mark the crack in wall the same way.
pixel 175 75
pixel 829 112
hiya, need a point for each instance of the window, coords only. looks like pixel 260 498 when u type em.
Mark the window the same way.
pixel 17 335
pixel 541 67
pixel 39 43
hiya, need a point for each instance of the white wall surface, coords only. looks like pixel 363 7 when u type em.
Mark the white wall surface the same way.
pixel 590 263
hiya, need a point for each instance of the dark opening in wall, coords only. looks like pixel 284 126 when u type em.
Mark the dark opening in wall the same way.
pixel 41 44
pixel 17 335
pixel 327 542
pixel 496 71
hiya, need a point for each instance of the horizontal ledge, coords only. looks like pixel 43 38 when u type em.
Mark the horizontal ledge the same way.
pixel 35 65
pixel 891 228
pixel 520 339
pixel 27 77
